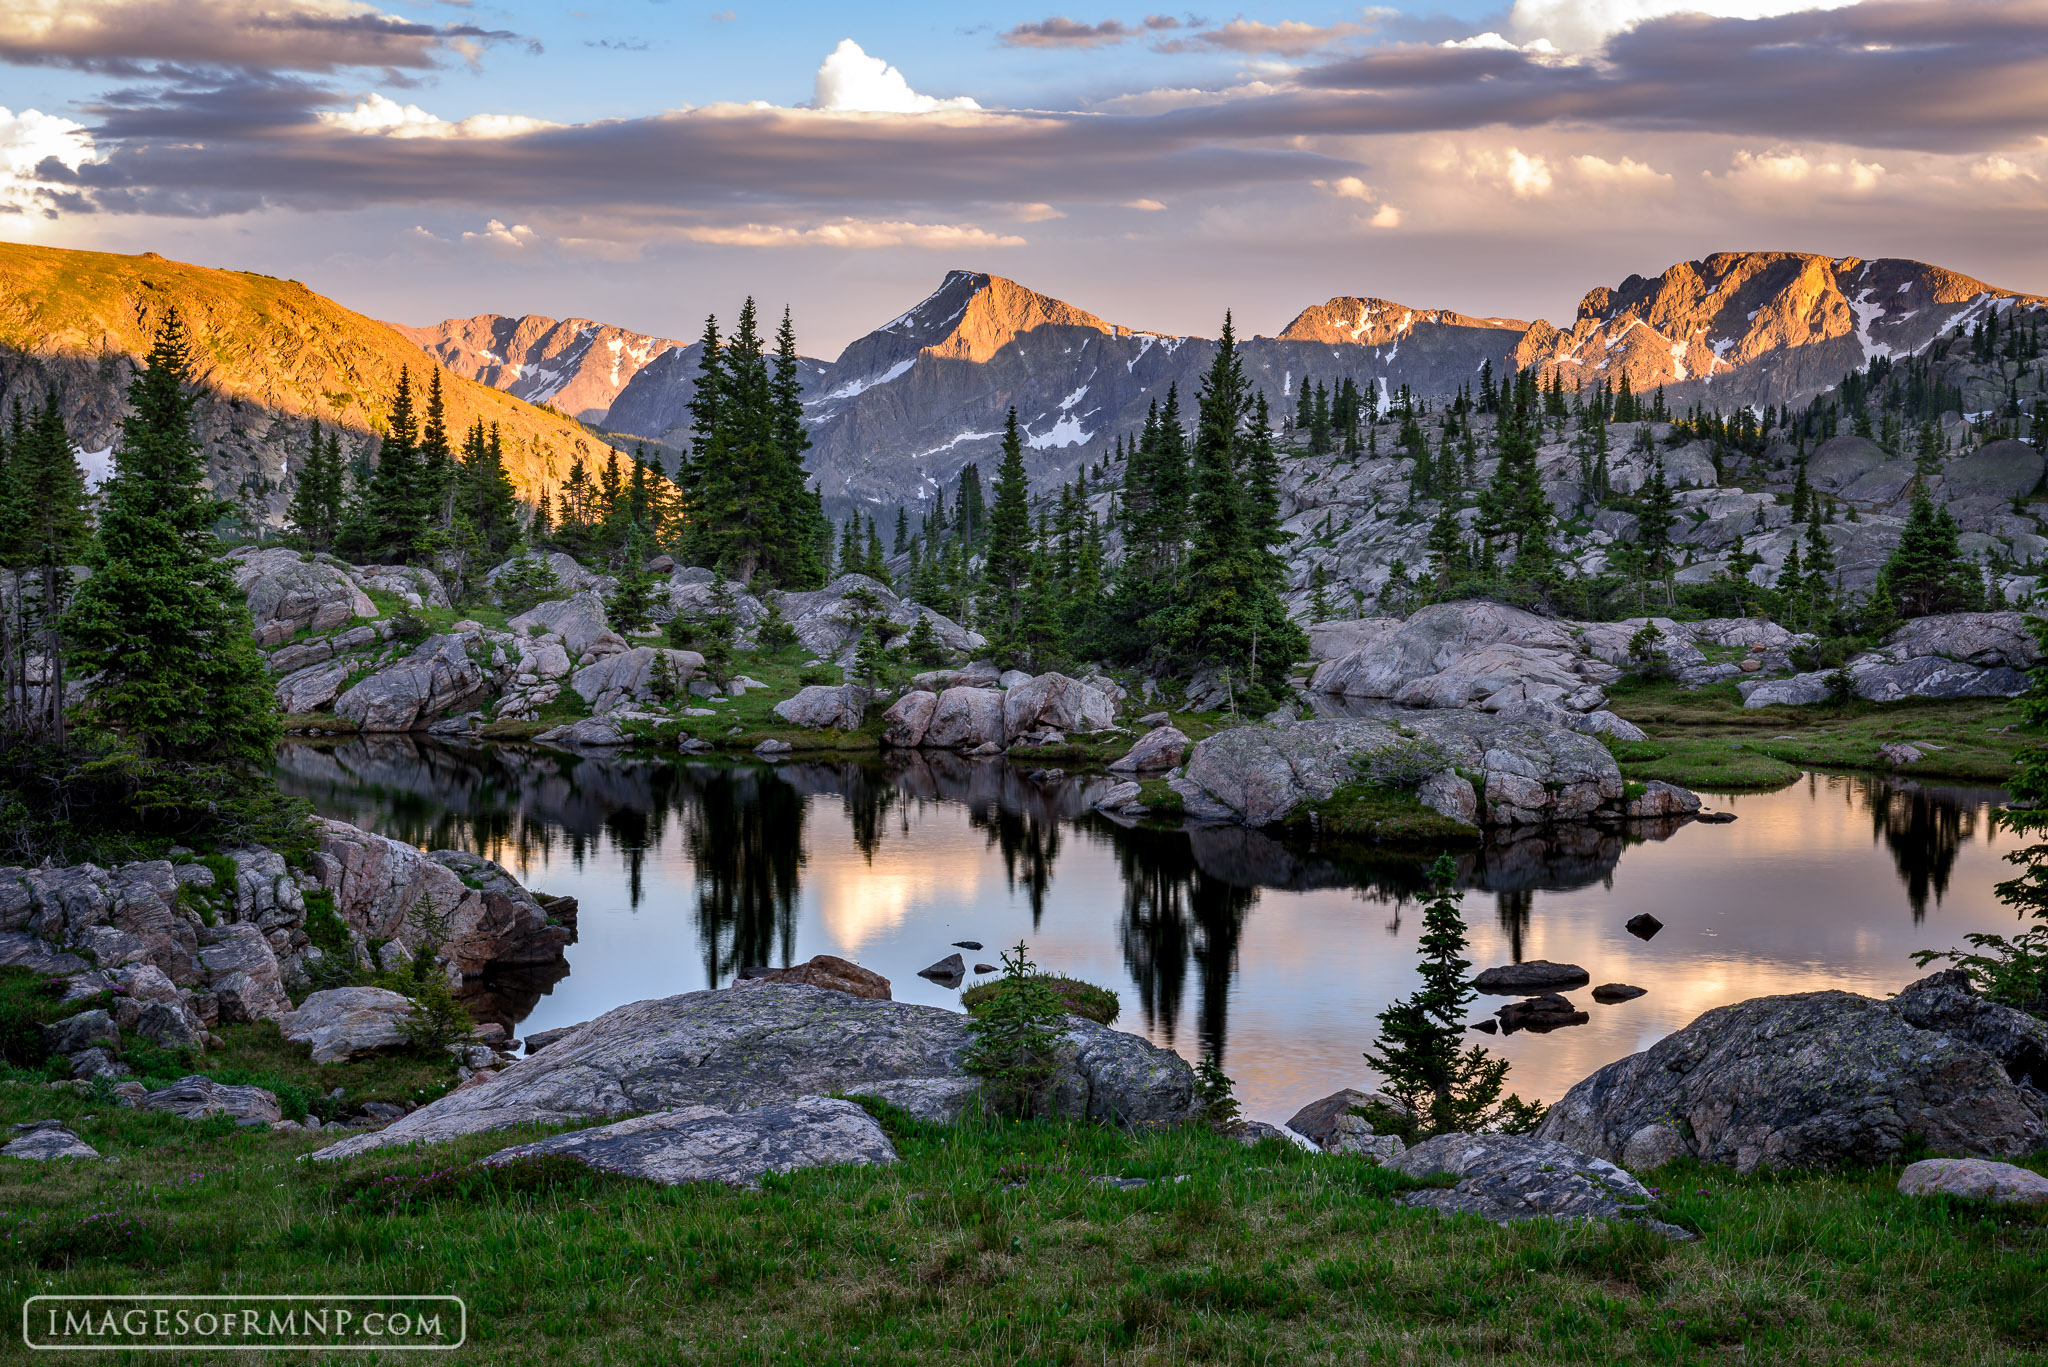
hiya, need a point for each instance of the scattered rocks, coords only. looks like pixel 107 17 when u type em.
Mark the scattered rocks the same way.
pixel 1119 797
pixel 82 1031
pixel 1609 993
pixel 967 944
pixel 1534 976
pixel 1643 926
pixel 343 1023
pixel 199 1098
pixel 984 968
pixel 1974 1179
pixel 705 1144
pixel 1822 1079
pixel 1506 1177
pixel 947 972
pixel 39 1141
pixel 1540 1015
pixel 1660 799
pixel 826 707
pixel 1317 1121
pixel 1354 1135
pixel 540 1039
pixel 1161 748
pixel 772 746
pixel 823 970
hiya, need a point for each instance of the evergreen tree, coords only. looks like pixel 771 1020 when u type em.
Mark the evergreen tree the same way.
pixel 1006 568
pixel 1446 544
pixel 795 560
pixel 487 498
pixel 631 605
pixel 1230 613
pixel 1513 508
pixel 902 530
pixel 160 625
pixel 1420 1053
pixel 387 515
pixel 436 499
pixel 317 503
pixel 873 564
pixel 1927 573
pixel 1657 511
pixel 44 531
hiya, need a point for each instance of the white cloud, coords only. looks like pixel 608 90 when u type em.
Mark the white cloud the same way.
pixel 1523 175
pixel 27 140
pixel 380 114
pixel 1347 187
pixel 1627 173
pixel 1787 168
pixel 1581 25
pixel 1033 213
pixel 1491 41
pixel 853 234
pixel 2000 170
pixel 496 234
pixel 1387 217
pixel 850 81
pixel 1527 176
pixel 1150 206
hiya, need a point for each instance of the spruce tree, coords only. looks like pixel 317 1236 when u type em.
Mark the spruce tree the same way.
pixel 316 508
pixel 1006 566
pixel 436 496
pixel 487 497
pixel 631 606
pixel 46 534
pixel 387 515
pixel 792 558
pixel 1927 573
pixel 1658 510
pixel 160 625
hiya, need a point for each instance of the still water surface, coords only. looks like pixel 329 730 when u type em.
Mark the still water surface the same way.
pixel 1277 958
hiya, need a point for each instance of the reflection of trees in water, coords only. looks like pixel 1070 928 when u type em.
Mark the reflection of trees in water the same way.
pixel 1029 843
pixel 1512 909
pixel 744 832
pixel 1177 915
pixel 1925 829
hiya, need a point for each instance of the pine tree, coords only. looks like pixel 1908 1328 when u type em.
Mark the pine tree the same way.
pixel 387 515
pixel 46 532
pixel 873 565
pixel 317 503
pixel 902 530
pixel 631 605
pixel 436 497
pixel 1513 508
pixel 793 557
pixel 1927 573
pixel 1006 568
pixel 1420 1053
pixel 160 625
pixel 1658 510
pixel 487 497
pixel 1446 545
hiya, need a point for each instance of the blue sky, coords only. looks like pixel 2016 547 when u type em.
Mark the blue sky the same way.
pixel 644 163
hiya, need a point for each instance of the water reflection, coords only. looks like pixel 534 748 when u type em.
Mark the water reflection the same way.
pixel 1222 941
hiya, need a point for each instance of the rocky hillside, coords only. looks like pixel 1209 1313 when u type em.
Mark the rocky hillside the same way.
pixel 272 353
pixel 572 365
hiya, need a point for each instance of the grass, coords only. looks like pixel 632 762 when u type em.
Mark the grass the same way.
pixel 1082 999
pixel 1373 814
pixel 1706 738
pixel 993 1246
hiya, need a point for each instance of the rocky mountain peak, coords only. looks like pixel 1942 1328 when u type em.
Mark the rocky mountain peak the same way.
pixel 1377 322
pixel 973 315
pixel 575 365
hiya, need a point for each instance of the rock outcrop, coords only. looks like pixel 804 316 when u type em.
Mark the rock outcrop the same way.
pixel 1508 1177
pixel 826 707
pixel 439 675
pixel 1955 655
pixel 1471 766
pixel 1476 654
pixel 343 1023
pixel 772 1043
pixel 1821 1079
pixel 626 680
pixel 288 592
pixel 830 626
pixel 706 1144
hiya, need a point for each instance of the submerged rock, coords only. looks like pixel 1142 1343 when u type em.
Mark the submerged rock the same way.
pixel 1533 976
pixel 1540 1015
pixel 1643 925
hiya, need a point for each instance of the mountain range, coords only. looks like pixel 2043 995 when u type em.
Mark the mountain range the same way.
pixel 900 410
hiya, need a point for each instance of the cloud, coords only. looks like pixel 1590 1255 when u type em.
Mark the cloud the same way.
pixel 1149 206
pixel 851 81
pixel 1626 173
pixel 1784 168
pixel 1288 38
pixel 1521 174
pixel 1157 23
pixel 852 234
pixel 496 234
pixel 1033 213
pixel 134 37
pixel 1387 217
pixel 380 114
pixel 1060 32
pixel 1583 25
pixel 1347 187
pixel 27 141
pixel 2001 170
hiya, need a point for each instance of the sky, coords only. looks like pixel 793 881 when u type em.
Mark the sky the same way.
pixel 648 162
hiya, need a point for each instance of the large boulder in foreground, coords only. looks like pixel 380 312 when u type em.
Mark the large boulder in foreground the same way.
pixel 288 593
pixel 826 707
pixel 343 1023
pixel 627 679
pixel 1821 1079
pixel 437 677
pixel 705 1144
pixel 1526 772
pixel 775 1042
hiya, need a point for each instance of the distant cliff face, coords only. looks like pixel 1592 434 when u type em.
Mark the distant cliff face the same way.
pixel 574 366
pixel 271 355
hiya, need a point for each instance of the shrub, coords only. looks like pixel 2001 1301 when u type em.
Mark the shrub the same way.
pixel 1075 997
pixel 438 1020
pixel 408 626
pixel 814 676
pixel 54 1240
pixel 775 634
pixel 1014 1040
pixel 379 1194
pixel 27 1002
pixel 1216 1094
pixel 1403 764
pixel 530 580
